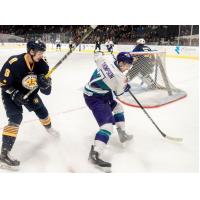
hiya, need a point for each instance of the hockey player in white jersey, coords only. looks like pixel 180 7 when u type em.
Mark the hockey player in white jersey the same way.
pixel 58 44
pixel 109 44
pixel 107 79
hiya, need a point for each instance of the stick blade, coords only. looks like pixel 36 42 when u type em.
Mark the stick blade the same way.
pixel 174 138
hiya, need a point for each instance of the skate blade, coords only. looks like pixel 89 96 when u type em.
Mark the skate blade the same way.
pixel 57 135
pixel 54 135
pixel 104 169
pixel 7 167
pixel 107 169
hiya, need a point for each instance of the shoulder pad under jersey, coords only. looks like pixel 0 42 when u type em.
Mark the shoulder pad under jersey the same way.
pixel 12 60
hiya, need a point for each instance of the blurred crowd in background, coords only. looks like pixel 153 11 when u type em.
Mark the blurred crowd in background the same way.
pixel 186 35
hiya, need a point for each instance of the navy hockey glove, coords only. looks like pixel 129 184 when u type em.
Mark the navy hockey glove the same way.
pixel 44 84
pixel 18 98
pixel 127 88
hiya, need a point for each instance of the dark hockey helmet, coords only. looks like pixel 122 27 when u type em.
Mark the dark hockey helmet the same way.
pixel 36 46
pixel 125 57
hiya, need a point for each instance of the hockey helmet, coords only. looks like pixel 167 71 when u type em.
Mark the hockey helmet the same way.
pixel 140 41
pixel 36 46
pixel 125 57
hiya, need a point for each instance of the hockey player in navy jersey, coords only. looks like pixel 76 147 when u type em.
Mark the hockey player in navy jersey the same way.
pixel 140 46
pixel 107 79
pixel 97 44
pixel 20 74
pixel 144 62
pixel 71 45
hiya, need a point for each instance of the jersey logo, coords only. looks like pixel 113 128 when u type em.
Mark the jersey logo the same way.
pixel 12 60
pixel 36 100
pixel 30 82
pixel 7 72
pixel 107 70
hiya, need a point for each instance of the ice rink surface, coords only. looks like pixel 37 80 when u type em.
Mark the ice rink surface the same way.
pixel 148 152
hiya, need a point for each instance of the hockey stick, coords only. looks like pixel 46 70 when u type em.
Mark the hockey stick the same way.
pixel 163 134
pixel 89 31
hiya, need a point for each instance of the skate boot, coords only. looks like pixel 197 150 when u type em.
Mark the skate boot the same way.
pixel 52 131
pixel 123 136
pixel 6 162
pixel 94 159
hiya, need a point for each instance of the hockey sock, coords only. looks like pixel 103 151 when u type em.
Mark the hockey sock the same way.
pixel 103 136
pixel 9 136
pixel 119 120
pixel 46 122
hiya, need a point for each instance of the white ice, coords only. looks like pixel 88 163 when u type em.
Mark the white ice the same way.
pixel 149 152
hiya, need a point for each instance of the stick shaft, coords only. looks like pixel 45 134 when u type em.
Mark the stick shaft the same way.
pixel 147 114
pixel 90 30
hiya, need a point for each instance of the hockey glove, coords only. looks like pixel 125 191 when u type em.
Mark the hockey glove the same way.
pixel 18 98
pixel 44 84
pixel 127 88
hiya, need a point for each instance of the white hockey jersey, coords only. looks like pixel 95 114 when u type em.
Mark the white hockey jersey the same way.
pixel 58 41
pixel 106 78
pixel 109 44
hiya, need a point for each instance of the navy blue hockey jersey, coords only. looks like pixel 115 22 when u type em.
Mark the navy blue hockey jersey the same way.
pixel 141 47
pixel 19 74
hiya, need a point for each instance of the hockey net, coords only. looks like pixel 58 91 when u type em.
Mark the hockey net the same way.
pixel 149 81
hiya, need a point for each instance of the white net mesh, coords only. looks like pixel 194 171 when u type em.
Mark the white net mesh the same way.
pixel 149 81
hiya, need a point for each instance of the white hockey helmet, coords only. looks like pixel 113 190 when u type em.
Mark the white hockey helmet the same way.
pixel 140 41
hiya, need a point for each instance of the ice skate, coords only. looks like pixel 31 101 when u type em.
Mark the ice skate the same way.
pixel 123 136
pixel 6 162
pixel 53 132
pixel 94 159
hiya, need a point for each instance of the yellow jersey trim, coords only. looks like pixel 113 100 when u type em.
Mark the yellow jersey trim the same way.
pixel 28 64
